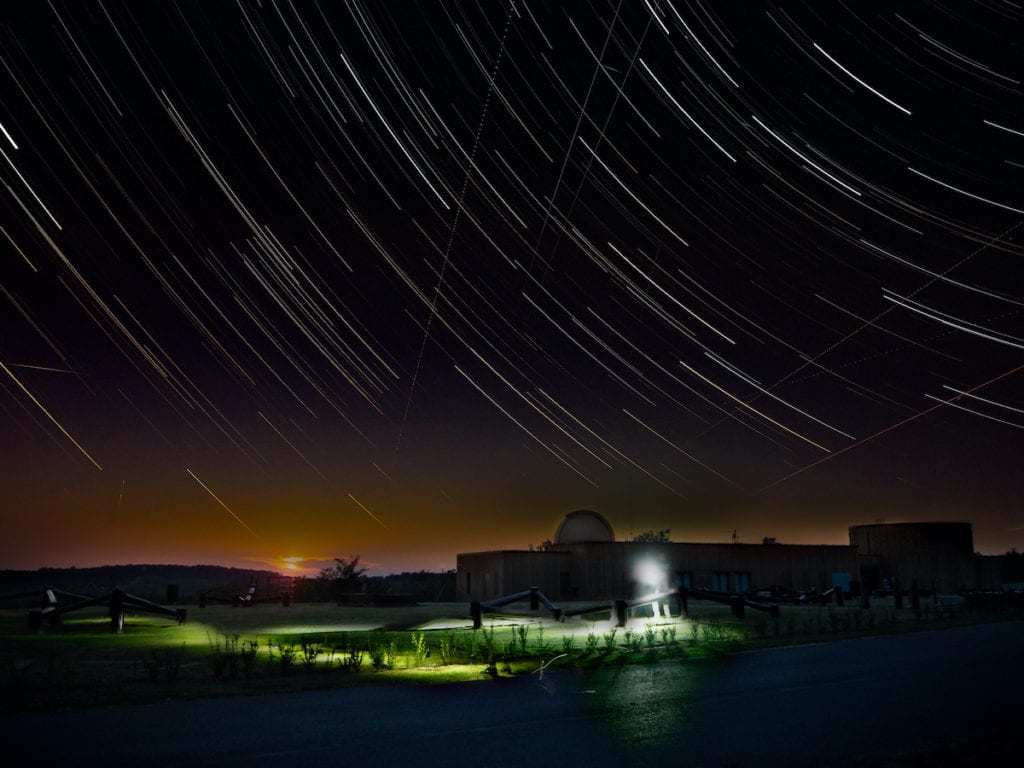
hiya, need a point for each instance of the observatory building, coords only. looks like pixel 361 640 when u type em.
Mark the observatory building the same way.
pixel 585 562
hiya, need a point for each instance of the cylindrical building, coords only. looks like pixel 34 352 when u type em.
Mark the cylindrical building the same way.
pixel 936 554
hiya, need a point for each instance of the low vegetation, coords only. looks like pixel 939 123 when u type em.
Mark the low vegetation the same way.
pixel 267 648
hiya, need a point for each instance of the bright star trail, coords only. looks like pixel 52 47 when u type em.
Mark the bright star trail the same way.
pixel 408 278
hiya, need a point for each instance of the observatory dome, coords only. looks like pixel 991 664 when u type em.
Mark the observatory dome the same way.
pixel 583 525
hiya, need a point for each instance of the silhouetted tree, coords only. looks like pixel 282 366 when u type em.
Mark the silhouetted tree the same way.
pixel 652 537
pixel 345 576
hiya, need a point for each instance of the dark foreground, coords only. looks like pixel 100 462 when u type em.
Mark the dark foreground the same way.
pixel 940 698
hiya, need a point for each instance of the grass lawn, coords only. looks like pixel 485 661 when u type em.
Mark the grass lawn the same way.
pixel 222 650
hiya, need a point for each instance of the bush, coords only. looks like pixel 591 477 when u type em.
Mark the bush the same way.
pixel 609 640
pixel 286 654
pixel 448 647
pixel 382 652
pixel 419 649
pixel 224 657
pixel 247 653
pixel 350 660
pixel 310 653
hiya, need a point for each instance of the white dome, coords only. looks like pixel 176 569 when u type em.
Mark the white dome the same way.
pixel 583 525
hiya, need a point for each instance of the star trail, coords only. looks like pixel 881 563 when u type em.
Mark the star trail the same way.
pixel 470 265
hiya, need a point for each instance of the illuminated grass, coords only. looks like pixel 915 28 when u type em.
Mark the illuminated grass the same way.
pixel 79 663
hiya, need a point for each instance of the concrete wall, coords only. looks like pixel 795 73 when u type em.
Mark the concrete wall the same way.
pixel 609 570
pixel 487 575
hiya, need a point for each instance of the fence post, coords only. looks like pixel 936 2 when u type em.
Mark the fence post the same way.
pixel 476 613
pixel 684 609
pixel 534 600
pixel 620 613
pixel 738 606
pixel 116 611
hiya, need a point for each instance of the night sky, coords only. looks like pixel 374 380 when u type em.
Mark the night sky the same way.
pixel 289 279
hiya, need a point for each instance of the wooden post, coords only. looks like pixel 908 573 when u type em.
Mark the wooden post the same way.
pixel 116 611
pixel 476 613
pixel 684 609
pixel 897 595
pixel 620 613
pixel 534 600
pixel 738 606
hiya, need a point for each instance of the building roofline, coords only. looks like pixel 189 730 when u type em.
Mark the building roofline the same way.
pixel 659 544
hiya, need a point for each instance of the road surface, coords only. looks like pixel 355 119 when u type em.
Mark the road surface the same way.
pixel 855 702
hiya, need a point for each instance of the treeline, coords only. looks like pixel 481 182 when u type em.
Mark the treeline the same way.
pixel 146 581
pixel 151 582
pixel 422 586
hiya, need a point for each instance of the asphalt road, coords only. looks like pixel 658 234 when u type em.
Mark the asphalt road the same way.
pixel 854 702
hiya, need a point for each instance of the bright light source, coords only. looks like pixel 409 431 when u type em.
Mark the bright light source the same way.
pixel 650 573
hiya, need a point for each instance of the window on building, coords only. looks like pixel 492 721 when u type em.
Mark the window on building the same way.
pixel 742 581
pixel 682 579
pixel 720 581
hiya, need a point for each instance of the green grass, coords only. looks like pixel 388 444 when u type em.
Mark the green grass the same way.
pixel 80 663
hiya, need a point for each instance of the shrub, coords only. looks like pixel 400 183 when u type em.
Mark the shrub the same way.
pixel 247 654
pixel 382 652
pixel 286 655
pixel 310 652
pixel 522 630
pixel 224 658
pixel 419 648
pixel 448 647
pixel 609 639
pixel 350 660
pixel 650 636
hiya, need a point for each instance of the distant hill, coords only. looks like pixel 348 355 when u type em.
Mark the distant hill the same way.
pixel 146 581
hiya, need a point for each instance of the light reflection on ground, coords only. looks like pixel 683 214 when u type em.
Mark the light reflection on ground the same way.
pixel 312 629
pixel 646 701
